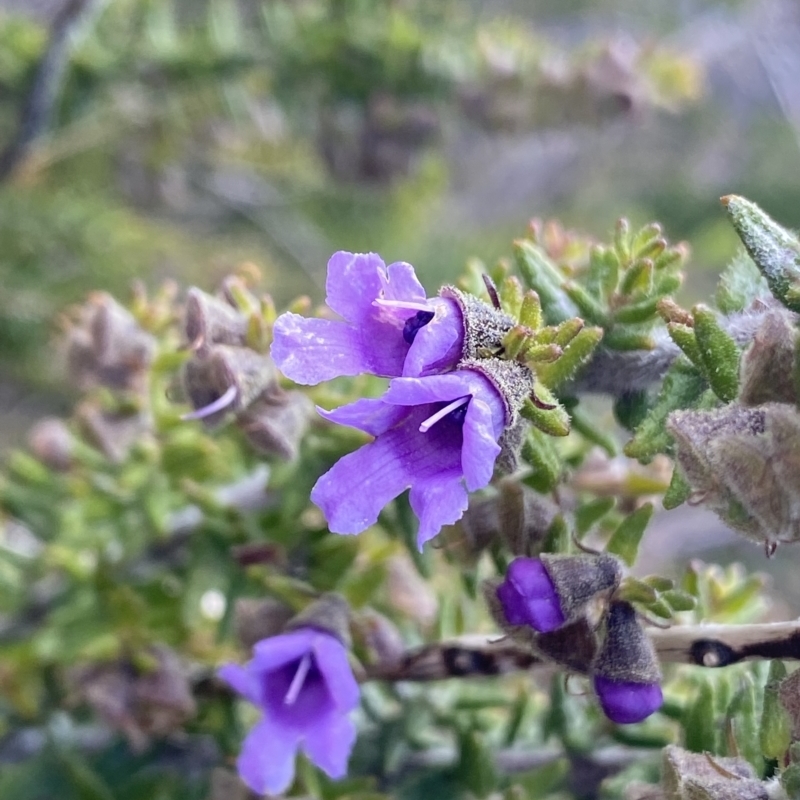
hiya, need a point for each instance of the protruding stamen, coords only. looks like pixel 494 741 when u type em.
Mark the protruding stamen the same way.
pixel 409 304
pixel 434 418
pixel 218 405
pixel 296 686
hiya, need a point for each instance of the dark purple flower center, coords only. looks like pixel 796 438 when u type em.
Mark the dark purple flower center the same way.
pixel 413 325
pixel 454 412
pixel 296 693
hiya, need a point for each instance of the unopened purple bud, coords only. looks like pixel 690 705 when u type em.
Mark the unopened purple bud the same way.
pixel 625 702
pixel 528 596
pixel 626 672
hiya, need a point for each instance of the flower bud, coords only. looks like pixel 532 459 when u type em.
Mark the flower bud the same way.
pixel 275 424
pixel 52 443
pixel 224 379
pixel 548 591
pixel 256 619
pixel 485 327
pixel 329 614
pixel 107 347
pixel 696 776
pixel 626 672
pixel 768 365
pixel 209 320
pixel 114 433
pixel 140 701
pixel 742 463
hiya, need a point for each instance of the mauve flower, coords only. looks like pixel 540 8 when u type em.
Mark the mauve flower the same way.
pixel 547 592
pixel 625 702
pixel 304 686
pixel 626 671
pixel 388 326
pixel 529 597
pixel 436 435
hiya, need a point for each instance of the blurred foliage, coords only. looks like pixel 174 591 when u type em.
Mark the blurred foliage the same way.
pixel 194 139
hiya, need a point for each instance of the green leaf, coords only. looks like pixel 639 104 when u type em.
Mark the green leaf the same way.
pixel 539 273
pixel 588 306
pixel 775 251
pixel 719 353
pixel 592 512
pixel 540 452
pixel 678 492
pixel 678 600
pixel 740 284
pixel 642 311
pixel 700 721
pixel 684 337
pixel 590 429
pixel 775 733
pixel 475 768
pixel 682 387
pixel 552 421
pixel 626 339
pixel 743 723
pixel 574 356
pixel 624 542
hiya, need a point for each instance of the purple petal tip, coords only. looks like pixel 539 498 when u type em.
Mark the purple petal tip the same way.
pixel 626 702
pixel 529 597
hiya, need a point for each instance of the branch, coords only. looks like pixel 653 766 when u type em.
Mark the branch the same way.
pixel 709 646
pixel 617 372
pixel 37 110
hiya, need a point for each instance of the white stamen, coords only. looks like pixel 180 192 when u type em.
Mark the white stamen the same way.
pixel 434 418
pixel 410 305
pixel 299 679
pixel 212 408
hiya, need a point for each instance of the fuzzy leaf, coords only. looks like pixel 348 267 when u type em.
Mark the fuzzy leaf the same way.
pixel 678 491
pixel 574 356
pixel 775 734
pixel 540 274
pixel 592 512
pixel 681 388
pixel 719 353
pixel 624 542
pixel 775 251
pixel 740 284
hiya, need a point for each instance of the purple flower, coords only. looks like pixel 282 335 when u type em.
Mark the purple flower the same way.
pixel 304 685
pixel 434 435
pixel 388 326
pixel 625 702
pixel 529 597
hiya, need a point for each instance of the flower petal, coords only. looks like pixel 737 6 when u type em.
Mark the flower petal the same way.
pixel 402 283
pixel 431 389
pixel 276 651
pixel 353 492
pixel 626 702
pixel 437 502
pixel 483 426
pixel 266 763
pixel 329 743
pixel 242 681
pixel 438 345
pixel 331 658
pixel 368 415
pixel 309 350
pixel 354 281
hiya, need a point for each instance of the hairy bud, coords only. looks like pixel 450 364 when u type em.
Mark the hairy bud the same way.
pixel 209 320
pixel 276 422
pixel 743 463
pixel 626 673
pixel 107 347
pixel 700 776
pixel 330 613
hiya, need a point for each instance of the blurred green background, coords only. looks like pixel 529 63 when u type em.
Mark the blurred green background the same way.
pixel 143 140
